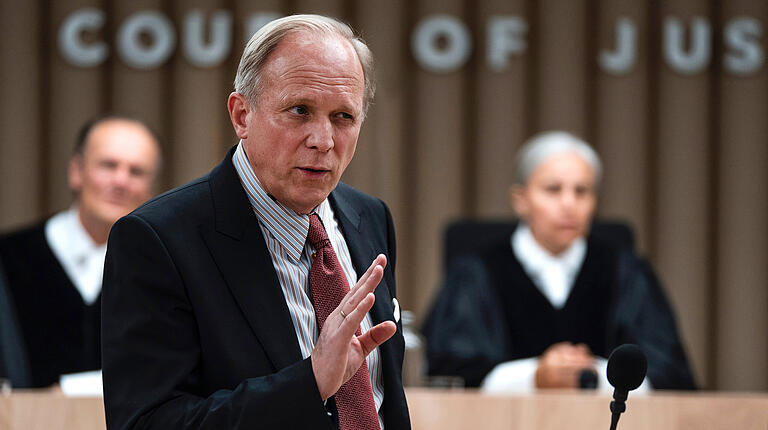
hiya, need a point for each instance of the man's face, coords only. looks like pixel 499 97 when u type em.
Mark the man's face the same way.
pixel 558 201
pixel 302 133
pixel 116 171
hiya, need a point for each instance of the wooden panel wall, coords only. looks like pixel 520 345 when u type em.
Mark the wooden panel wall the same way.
pixel 21 127
pixel 683 177
pixel 685 152
pixel 741 211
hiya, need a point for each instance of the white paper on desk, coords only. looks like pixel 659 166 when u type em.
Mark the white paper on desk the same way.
pixel 83 384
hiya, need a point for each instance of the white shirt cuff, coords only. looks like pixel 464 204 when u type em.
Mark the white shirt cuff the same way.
pixel 516 376
pixel 519 376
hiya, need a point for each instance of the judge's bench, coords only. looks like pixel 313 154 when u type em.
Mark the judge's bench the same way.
pixel 463 409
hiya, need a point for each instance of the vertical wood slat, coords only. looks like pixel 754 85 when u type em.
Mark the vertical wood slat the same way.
pixel 379 165
pixel 334 8
pixel 742 232
pixel 561 35
pixel 197 101
pixel 500 112
pixel 139 93
pixel 76 95
pixel 682 219
pixel 621 136
pixel 20 134
pixel 438 107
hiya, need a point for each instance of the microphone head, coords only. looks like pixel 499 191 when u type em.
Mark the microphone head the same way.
pixel 626 367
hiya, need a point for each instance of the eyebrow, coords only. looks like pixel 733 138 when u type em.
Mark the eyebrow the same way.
pixel 287 101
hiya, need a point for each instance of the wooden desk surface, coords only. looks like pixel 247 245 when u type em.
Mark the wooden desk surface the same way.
pixel 464 409
pixel 50 410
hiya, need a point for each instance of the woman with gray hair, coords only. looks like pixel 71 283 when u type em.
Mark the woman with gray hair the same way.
pixel 544 307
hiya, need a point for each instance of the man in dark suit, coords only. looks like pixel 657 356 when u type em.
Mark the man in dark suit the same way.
pixel 225 301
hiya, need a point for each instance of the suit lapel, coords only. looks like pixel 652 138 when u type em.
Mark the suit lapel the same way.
pixel 238 247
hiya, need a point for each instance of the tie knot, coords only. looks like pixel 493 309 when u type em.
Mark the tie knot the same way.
pixel 317 236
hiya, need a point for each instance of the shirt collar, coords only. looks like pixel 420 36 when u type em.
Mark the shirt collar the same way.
pixel 284 224
pixel 67 230
pixel 534 258
pixel 81 258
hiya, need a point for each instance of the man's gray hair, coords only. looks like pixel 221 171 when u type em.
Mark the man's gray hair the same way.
pixel 248 80
pixel 544 145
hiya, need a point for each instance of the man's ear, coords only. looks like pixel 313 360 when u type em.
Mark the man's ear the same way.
pixel 239 108
pixel 75 173
pixel 518 200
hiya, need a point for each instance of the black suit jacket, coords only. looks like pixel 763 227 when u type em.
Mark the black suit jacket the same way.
pixel 196 331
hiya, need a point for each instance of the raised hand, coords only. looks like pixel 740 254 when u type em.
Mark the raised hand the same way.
pixel 338 352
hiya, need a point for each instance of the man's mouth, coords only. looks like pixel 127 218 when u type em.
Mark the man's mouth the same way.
pixel 314 169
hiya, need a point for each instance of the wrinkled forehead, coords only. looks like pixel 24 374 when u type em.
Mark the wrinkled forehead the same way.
pixel 564 166
pixel 541 156
pixel 122 139
pixel 326 53
pixel 566 155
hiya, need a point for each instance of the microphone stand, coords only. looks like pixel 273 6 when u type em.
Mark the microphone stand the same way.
pixel 617 407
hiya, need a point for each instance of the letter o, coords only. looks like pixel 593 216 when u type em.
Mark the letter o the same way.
pixel 133 52
pixel 457 47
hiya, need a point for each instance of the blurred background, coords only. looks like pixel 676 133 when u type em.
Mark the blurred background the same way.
pixel 673 94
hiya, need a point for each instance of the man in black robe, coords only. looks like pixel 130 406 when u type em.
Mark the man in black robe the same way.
pixel 54 268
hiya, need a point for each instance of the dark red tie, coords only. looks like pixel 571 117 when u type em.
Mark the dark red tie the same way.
pixel 354 400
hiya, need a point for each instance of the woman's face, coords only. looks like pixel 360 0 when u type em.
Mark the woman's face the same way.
pixel 558 201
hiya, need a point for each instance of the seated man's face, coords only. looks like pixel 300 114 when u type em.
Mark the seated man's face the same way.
pixel 558 201
pixel 302 133
pixel 116 172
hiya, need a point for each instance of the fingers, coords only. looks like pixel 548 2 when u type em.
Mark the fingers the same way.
pixel 350 324
pixel 367 283
pixel 376 336
pixel 380 260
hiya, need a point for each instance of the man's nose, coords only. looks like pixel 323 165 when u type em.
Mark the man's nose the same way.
pixel 321 135
pixel 121 177
pixel 568 199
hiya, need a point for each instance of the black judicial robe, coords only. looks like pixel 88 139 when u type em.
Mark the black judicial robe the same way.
pixel 489 311
pixel 61 332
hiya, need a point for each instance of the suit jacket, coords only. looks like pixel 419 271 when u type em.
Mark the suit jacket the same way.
pixel 196 331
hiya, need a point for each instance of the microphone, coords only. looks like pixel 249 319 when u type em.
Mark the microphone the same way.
pixel 588 379
pixel 626 370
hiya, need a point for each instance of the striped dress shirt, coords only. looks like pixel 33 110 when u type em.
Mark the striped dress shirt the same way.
pixel 285 233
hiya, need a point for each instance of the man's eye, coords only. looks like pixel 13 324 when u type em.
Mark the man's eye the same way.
pixel 345 115
pixel 299 110
pixel 582 191
pixel 552 188
pixel 137 172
